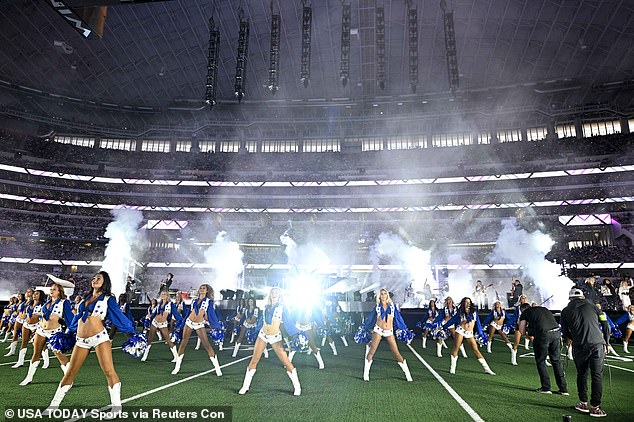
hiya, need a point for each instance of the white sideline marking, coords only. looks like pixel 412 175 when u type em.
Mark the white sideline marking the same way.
pixel 618 367
pixel 472 413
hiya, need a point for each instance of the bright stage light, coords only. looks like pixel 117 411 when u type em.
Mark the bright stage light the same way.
pixel 304 292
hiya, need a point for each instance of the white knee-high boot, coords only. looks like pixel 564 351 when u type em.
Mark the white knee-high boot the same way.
pixel 14 345
pixel 214 361
pixel 146 353
pixel 444 345
pixel 408 375
pixel 246 384
pixel 439 350
pixel 64 368
pixel 624 348
pixel 174 351
pixel 526 343
pixel 197 344
pixel 334 348
pixel 344 341
pixel 320 361
pixel 295 380
pixel 266 353
pixel 509 345
pixel 46 359
pixel 29 376
pixel 570 353
pixel 454 363
pixel 115 397
pixel 160 336
pixel 463 352
pixel 489 347
pixel 233 336
pixel 367 349
pixel 291 355
pixel 235 350
pixel 57 398
pixel 21 356
pixel 6 336
pixel 323 341
pixel 424 342
pixel 485 366
pixel 177 367
pixel 513 357
pixel 366 370
pixel 611 350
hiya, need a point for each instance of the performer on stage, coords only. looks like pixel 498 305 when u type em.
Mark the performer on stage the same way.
pixel 274 315
pixel 160 319
pixel 202 310
pixel 250 322
pixel 167 283
pixel 33 313
pixel 629 317
pixel 496 325
pixel 385 317
pixel 479 294
pixel 54 310
pixel 465 321
pixel 23 300
pixel 89 324
pixel 428 324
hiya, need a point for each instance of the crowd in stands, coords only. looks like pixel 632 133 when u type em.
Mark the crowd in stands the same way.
pixel 592 254
pixel 614 294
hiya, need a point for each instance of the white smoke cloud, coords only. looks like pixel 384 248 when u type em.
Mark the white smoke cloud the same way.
pixel 460 281
pixel 517 246
pixel 225 257
pixel 415 261
pixel 124 235
pixel 304 258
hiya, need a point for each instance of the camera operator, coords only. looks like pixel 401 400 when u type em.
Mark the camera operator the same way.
pixel 580 323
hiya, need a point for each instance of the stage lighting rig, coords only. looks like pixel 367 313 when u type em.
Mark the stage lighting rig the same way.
pixel 450 47
pixel 242 56
pixel 274 55
pixel 307 18
pixel 380 45
pixel 412 35
pixel 212 64
pixel 344 69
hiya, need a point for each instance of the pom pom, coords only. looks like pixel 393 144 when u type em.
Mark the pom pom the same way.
pixel 482 339
pixel 236 329
pixel 405 336
pixel 62 342
pixel 146 323
pixel 217 335
pixel 508 328
pixel 429 326
pixel 108 325
pixel 362 335
pixel 135 346
pixel 616 332
pixel 5 319
pixel 300 342
pixel 419 324
pixel 252 335
pixel 176 336
pixel 438 333
pixel 324 331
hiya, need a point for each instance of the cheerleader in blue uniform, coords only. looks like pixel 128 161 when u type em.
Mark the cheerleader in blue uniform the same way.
pixel 147 319
pixel 202 311
pixel 334 324
pixel 385 318
pixel 181 307
pixel 76 304
pixel 514 322
pixel 23 301
pixel 5 324
pixel 465 322
pixel 90 329
pixel 125 310
pixel 238 319
pixel 428 325
pixel 629 318
pixel 250 322
pixel 448 311
pixel 56 309
pixel 31 322
pixel 270 333
pixel 160 319
pixel 307 319
pixel 496 325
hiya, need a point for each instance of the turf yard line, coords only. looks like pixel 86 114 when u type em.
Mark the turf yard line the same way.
pixel 472 413
pixel 618 367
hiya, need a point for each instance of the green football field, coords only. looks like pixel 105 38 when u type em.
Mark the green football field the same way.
pixel 336 393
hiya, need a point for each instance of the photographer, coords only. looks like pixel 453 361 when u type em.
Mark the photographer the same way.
pixel 544 328
pixel 579 323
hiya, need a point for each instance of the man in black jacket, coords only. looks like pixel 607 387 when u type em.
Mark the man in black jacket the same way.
pixel 580 323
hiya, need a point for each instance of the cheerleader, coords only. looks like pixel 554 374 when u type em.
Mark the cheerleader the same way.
pixel 78 300
pixel 333 322
pixel 147 320
pixel 202 311
pixel 160 318
pixel 23 301
pixel 57 308
pixel 428 324
pixel 614 331
pixel 448 311
pixel 496 323
pixel 89 326
pixel 384 317
pixel 5 324
pixel 251 317
pixel 629 317
pixel 306 320
pixel 33 313
pixel 124 306
pixel 238 319
pixel 181 307
pixel 465 321
pixel 514 322
pixel 274 314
